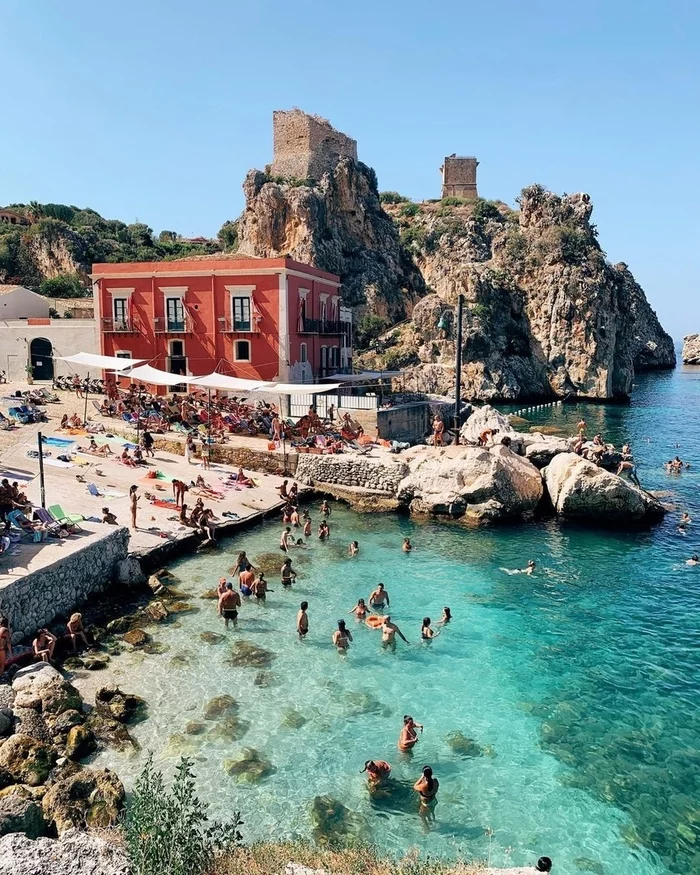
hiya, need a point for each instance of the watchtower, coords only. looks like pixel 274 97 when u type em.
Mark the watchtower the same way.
pixel 307 145
pixel 459 177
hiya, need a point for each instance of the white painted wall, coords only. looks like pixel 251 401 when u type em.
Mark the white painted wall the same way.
pixel 21 303
pixel 67 336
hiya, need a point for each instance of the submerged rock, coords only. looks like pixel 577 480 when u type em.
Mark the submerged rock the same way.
pixel 251 766
pixel 212 594
pixel 220 706
pixel 180 660
pixel 180 744
pixel 182 608
pixel 110 732
pixel 137 637
pixel 212 637
pixel 125 707
pixel 245 653
pixel 229 729
pixel 333 823
pixel 358 703
pixel 466 747
pixel 155 648
pixel 85 799
pixel 265 679
pixel 195 728
pixel 95 661
pixel 293 719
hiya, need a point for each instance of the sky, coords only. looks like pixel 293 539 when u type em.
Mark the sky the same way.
pixel 155 110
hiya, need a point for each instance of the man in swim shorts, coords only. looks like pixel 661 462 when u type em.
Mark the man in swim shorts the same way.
pixel 389 632
pixel 229 603
pixel 379 598
pixel 303 620
pixel 287 574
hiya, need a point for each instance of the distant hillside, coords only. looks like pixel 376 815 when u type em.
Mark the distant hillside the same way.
pixel 54 251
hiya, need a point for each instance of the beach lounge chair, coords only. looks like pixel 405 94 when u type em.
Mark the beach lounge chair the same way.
pixel 66 519
pixel 16 414
pixel 41 514
pixel 35 414
pixel 51 397
pixel 31 535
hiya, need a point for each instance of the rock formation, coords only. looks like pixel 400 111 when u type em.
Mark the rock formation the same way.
pixel 691 349
pixel 74 853
pixel 546 313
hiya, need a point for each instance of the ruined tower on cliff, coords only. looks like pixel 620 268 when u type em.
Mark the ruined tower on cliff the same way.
pixel 306 146
pixel 459 177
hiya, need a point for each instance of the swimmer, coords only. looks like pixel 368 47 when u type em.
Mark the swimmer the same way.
pixel 408 737
pixel 323 531
pixel 342 637
pixel 325 508
pixel 287 574
pixel 389 632
pixel 377 771
pixel 353 548
pixel 685 520
pixel 360 610
pixel 407 545
pixel 303 621
pixel 307 526
pixel 229 603
pixel 531 565
pixel 259 587
pixel 446 616
pixel 694 560
pixel 378 598
pixel 284 539
pixel 427 633
pixel 301 543
pixel 426 786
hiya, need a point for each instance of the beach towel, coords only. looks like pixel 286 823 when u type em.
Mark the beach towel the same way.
pixel 164 502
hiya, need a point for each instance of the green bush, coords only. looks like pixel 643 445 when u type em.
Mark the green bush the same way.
pixel 66 285
pixel 396 359
pixel 413 237
pixel 368 329
pixel 228 234
pixel 392 197
pixel 484 210
pixel 167 831
pixel 409 210
pixel 454 201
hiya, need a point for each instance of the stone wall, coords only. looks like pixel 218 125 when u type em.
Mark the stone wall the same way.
pixel 378 475
pixel 34 600
pixel 459 177
pixel 307 145
pixel 410 422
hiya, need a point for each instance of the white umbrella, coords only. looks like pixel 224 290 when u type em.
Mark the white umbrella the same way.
pixel 147 374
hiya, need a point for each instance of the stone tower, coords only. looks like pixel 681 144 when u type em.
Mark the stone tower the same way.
pixel 459 177
pixel 306 146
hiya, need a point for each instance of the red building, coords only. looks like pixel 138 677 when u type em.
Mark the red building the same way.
pixel 266 318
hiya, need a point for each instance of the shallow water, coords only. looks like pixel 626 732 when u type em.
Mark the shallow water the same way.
pixel 580 684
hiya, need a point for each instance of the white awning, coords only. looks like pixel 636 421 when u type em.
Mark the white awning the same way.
pixel 103 362
pixel 232 384
pixel 301 388
pixel 147 374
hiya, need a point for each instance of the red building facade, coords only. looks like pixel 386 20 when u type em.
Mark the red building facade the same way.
pixel 256 318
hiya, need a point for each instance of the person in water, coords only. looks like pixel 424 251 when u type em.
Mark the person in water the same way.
pixel 694 560
pixel 389 632
pixel 287 574
pixel 323 531
pixel 408 737
pixel 259 587
pixel 427 786
pixel 685 520
pixel 325 508
pixel 377 772
pixel 342 637
pixel 303 621
pixel 407 545
pixel 307 525
pixel 379 598
pixel 353 548
pixel 285 538
pixel 360 610
pixel 446 616
pixel 229 603
pixel 427 633
pixel 246 578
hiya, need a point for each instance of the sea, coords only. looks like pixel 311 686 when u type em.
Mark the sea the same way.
pixel 561 710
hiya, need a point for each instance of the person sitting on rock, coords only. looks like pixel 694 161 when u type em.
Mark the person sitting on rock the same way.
pixel 630 468
pixel 76 631
pixel 44 645
pixel 485 435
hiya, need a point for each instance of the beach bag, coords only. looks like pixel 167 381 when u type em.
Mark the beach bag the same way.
pixel 271 445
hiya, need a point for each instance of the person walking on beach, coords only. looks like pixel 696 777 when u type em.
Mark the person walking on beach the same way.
pixel 134 503
pixel 389 632
pixel 147 441
pixel 229 603
pixel 408 737
pixel 190 449
pixel 303 621
pixel 5 643
pixel 379 598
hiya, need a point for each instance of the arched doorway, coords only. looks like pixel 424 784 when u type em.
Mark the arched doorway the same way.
pixel 40 352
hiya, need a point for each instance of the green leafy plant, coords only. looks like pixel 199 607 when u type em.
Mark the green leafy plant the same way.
pixel 168 831
pixel 409 210
pixel 368 329
pixel 454 201
pixel 65 285
pixel 484 210
pixel 392 197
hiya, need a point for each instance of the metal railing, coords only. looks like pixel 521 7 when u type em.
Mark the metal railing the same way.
pixel 320 326
pixel 119 326
pixel 165 325
pixel 226 326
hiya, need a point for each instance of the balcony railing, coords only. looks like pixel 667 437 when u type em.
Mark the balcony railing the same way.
pixel 226 326
pixel 119 326
pixel 320 326
pixel 165 325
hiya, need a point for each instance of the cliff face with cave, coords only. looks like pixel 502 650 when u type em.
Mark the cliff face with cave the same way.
pixel 545 313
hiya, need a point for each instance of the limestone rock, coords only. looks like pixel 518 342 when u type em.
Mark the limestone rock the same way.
pixel 88 798
pixel 26 760
pixel 67 720
pixel 59 696
pixel 80 742
pixel 112 702
pixel 580 489
pixel 20 813
pixel 219 706
pixel 136 637
pixel 247 653
pixel 128 572
pixel 483 484
pixel 110 732
pixel 35 676
pixel 157 611
pixel 74 853
pixel 31 723
pixel 483 418
pixel 540 449
pixel 691 349
pixel 250 766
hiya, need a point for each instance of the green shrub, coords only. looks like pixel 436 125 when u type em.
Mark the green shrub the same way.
pixel 413 237
pixel 392 197
pixel 484 210
pixel 396 359
pixel 454 201
pixel 65 285
pixel 368 329
pixel 409 210
pixel 167 831
pixel 574 244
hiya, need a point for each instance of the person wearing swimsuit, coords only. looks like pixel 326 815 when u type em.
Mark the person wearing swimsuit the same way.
pixel 408 738
pixel 360 610
pixel 342 637
pixel 378 598
pixel 5 643
pixel 229 603
pixel 427 787
pixel 427 633
pixel 377 772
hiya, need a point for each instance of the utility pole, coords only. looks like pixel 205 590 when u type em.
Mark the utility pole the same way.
pixel 42 486
pixel 458 369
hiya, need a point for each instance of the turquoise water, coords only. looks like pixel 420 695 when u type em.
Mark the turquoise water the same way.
pixel 580 684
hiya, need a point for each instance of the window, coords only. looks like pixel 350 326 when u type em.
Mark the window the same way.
pixel 175 314
pixel 302 353
pixel 324 359
pixel 241 351
pixel 241 314
pixel 119 312
pixel 335 358
pixel 177 347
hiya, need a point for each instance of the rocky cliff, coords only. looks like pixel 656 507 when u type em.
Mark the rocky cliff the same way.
pixel 545 313
pixel 691 349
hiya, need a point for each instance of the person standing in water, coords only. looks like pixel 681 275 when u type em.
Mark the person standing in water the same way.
pixel 389 632
pixel 360 610
pixel 377 772
pixel 324 532
pixel 446 616
pixel 354 548
pixel 408 737
pixel 303 621
pixel 407 545
pixel 284 540
pixel 427 787
pixel 427 633
pixel 229 603
pixel 287 574
pixel 342 637
pixel 378 598
pixel 325 508
pixel 307 525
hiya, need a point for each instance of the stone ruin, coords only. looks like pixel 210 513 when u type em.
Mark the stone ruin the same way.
pixel 459 177
pixel 306 146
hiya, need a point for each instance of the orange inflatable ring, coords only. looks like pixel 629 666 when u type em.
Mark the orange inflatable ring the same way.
pixel 374 621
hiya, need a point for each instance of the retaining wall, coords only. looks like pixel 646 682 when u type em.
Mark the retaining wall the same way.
pixel 379 475
pixel 34 600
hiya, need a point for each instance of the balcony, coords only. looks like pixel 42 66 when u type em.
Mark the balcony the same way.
pixel 320 326
pixel 226 326
pixel 120 326
pixel 163 325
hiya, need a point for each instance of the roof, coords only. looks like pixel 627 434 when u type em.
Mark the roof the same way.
pixel 5 290
pixel 72 303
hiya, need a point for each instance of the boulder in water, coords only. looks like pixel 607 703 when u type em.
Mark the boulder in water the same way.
pixel 245 653
pixel 155 648
pixel 137 637
pixel 250 767
pixel 691 349
pixel 95 661
pixel 194 727
pixel 124 707
pixel 231 728
pixel 26 760
pixel 212 637
pixel 157 611
pixel 110 732
pixel 333 823
pixel 88 798
pixel 212 594
pixel 180 607
pixel 220 706
pixel 293 719
pixel 464 746
pixel 80 742
pixel 128 572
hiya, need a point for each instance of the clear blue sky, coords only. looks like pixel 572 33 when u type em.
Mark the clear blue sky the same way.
pixel 155 110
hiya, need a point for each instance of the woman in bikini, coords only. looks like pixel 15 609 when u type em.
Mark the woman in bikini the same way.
pixel 342 637
pixel 446 616
pixel 360 610
pixel 76 631
pixel 427 633
pixel 426 786
pixel 408 737
pixel 353 549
